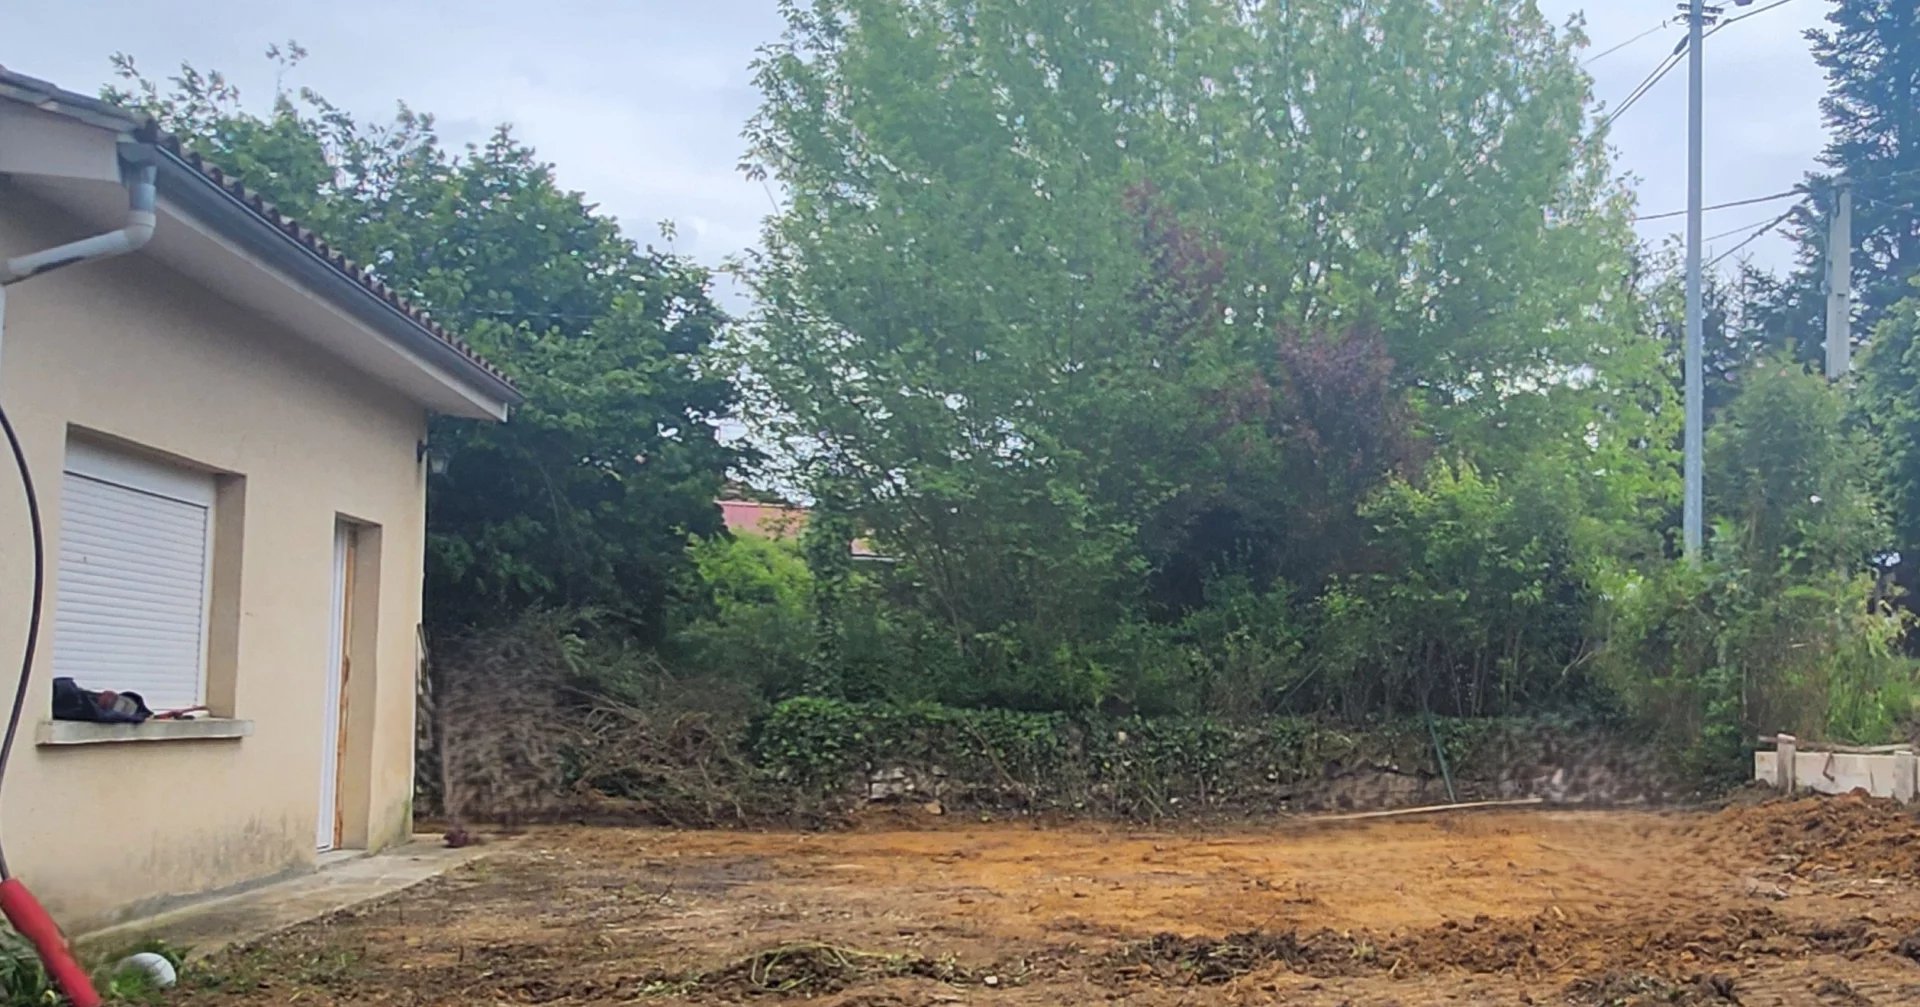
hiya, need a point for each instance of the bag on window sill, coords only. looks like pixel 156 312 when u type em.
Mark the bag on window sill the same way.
pixel 70 702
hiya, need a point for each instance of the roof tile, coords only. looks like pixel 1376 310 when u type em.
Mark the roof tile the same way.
pixel 147 130
pixel 364 276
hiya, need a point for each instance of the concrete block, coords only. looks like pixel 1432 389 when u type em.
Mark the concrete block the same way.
pixel 1882 774
pixel 1837 773
pixel 1906 775
pixel 1766 768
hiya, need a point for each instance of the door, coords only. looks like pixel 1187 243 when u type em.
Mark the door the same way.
pixel 339 668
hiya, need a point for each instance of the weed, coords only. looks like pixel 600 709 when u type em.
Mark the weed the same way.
pixel 24 981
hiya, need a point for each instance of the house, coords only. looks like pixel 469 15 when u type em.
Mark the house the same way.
pixel 781 522
pixel 767 520
pixel 226 424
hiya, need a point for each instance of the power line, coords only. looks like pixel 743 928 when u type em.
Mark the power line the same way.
pixel 1666 66
pixel 1857 186
pixel 1744 227
pixel 1659 72
pixel 1752 13
pixel 1722 206
pixel 1755 236
pixel 1591 60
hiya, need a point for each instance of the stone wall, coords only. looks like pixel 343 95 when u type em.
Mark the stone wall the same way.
pixel 1515 760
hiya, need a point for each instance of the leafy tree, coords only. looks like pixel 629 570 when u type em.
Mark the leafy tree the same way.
pixel 1871 53
pixel 1891 388
pixel 1790 482
pixel 587 497
pixel 1803 643
pixel 1057 285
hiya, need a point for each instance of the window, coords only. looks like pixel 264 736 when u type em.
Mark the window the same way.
pixel 131 603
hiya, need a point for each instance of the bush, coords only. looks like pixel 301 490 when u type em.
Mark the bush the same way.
pixel 24 981
pixel 755 615
pixel 1481 605
pixel 1712 657
pixel 1779 628
pixel 821 743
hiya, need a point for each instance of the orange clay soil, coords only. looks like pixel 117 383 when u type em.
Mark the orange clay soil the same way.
pixel 1553 907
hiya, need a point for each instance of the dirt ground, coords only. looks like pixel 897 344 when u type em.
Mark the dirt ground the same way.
pixel 1814 901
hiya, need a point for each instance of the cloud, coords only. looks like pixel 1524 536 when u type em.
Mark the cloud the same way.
pixel 639 103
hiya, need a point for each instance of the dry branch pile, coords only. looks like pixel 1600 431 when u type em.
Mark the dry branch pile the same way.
pixel 520 731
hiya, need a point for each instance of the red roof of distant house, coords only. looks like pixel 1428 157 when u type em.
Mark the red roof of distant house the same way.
pixel 769 520
pixel 777 521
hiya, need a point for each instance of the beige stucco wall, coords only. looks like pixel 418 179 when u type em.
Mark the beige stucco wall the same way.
pixel 127 349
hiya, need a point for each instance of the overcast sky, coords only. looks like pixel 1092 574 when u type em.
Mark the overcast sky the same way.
pixel 640 102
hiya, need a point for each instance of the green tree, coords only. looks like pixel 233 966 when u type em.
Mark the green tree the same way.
pixel 1039 289
pixel 588 495
pixel 1871 53
pixel 1803 643
pixel 755 617
pixel 1790 482
pixel 1783 626
pixel 1891 390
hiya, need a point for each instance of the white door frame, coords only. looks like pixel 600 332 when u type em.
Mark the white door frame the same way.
pixel 332 708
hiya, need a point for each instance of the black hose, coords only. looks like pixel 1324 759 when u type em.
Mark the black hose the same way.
pixel 33 613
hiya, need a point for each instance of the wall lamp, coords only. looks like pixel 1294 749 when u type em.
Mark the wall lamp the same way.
pixel 436 460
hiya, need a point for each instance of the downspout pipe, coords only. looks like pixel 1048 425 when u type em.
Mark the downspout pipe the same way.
pixel 139 167
pixel 137 231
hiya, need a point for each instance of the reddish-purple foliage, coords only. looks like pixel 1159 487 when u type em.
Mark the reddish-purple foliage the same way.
pixel 1338 407
pixel 1302 434
pixel 1187 268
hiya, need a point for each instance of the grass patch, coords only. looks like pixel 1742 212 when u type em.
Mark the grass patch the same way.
pixel 24 981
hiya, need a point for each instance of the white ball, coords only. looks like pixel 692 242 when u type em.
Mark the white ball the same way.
pixel 156 967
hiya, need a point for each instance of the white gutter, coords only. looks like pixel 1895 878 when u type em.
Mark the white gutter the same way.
pixel 137 231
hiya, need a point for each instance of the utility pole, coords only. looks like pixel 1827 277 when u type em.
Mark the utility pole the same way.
pixel 1693 510
pixel 1840 285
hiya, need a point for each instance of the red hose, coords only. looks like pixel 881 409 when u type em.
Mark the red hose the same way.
pixel 26 915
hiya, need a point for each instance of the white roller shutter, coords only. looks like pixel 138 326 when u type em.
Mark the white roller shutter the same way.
pixel 130 611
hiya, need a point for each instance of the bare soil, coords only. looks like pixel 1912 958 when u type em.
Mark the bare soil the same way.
pixel 1811 901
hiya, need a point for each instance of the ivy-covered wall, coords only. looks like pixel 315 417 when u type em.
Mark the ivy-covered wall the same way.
pixel 813 761
pixel 1133 767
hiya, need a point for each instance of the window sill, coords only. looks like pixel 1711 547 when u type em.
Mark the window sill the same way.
pixel 80 732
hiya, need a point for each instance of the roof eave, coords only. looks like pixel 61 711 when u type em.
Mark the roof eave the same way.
pixel 277 242
pixel 50 97
pixel 193 190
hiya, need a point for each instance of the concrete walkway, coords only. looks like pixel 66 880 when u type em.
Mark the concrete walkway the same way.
pixel 205 927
